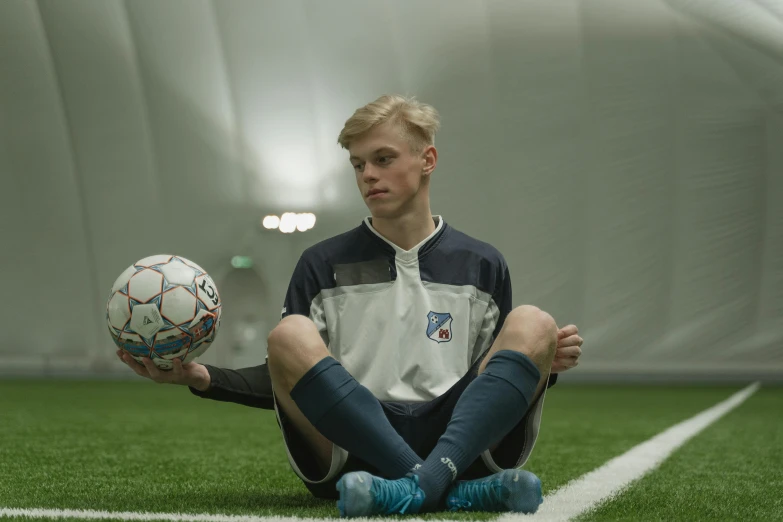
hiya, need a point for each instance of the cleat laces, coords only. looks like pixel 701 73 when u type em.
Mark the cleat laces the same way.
pixel 486 496
pixel 395 496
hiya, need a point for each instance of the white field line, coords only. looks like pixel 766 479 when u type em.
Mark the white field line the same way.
pixel 599 485
pixel 571 500
pixel 175 517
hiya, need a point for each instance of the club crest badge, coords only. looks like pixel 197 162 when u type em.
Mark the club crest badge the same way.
pixel 439 327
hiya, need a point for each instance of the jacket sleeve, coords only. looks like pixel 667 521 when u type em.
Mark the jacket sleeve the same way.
pixel 304 296
pixel 247 386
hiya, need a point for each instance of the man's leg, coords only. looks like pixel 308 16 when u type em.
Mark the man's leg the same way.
pixel 491 405
pixel 512 374
pixel 290 357
pixel 530 339
pixel 326 405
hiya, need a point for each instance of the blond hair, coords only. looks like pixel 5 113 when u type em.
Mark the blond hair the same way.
pixel 417 122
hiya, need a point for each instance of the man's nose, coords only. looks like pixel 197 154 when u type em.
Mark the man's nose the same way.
pixel 369 173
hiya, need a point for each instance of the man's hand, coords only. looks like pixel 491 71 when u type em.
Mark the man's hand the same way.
pixel 189 374
pixel 569 348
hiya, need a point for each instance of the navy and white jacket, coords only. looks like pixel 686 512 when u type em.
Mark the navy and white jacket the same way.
pixel 406 324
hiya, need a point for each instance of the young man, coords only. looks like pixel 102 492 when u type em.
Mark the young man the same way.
pixel 399 365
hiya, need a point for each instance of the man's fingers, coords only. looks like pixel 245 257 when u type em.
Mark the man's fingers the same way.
pixel 137 368
pixel 148 369
pixel 573 340
pixel 177 370
pixel 561 365
pixel 567 352
pixel 155 374
pixel 567 331
pixel 568 349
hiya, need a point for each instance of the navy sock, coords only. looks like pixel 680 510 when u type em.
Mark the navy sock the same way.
pixel 488 409
pixel 349 415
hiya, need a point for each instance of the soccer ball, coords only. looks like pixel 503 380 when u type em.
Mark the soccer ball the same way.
pixel 164 307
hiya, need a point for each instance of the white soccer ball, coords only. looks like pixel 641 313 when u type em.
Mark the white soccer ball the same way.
pixel 164 307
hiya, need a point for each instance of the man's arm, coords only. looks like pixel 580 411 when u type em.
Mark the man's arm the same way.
pixel 253 386
pixel 248 386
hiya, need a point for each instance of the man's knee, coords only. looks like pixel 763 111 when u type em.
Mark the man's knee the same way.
pixel 293 346
pixel 286 333
pixel 536 331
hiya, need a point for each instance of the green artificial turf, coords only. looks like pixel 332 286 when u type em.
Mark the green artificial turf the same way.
pixel 731 471
pixel 140 446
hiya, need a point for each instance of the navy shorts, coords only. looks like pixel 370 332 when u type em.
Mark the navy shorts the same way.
pixel 420 425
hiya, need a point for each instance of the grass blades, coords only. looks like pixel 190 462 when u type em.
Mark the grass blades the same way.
pixel 139 446
pixel 731 471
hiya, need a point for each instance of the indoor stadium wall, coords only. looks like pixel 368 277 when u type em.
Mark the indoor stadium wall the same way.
pixel 625 157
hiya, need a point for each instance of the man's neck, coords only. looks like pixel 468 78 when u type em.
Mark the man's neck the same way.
pixel 406 232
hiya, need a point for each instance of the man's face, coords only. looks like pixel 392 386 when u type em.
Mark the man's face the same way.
pixel 388 174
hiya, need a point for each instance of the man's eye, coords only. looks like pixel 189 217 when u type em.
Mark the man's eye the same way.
pixel 382 158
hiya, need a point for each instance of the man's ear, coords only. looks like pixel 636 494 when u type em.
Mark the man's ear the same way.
pixel 429 160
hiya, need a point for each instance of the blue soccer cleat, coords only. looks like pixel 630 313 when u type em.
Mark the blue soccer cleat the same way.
pixel 510 490
pixel 363 495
